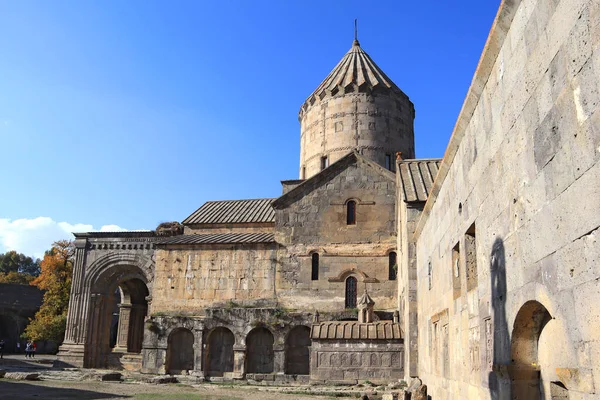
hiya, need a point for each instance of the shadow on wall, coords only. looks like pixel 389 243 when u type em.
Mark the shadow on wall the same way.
pixel 499 383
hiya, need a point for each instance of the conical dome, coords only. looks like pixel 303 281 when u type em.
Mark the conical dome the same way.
pixel 356 72
pixel 358 108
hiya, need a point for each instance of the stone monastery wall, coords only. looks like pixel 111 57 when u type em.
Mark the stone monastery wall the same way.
pixel 187 280
pixel 508 246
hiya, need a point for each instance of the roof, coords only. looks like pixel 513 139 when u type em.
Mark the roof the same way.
pixel 380 330
pixel 116 234
pixel 220 238
pixel 417 178
pixel 356 69
pixel 233 212
pixel 318 179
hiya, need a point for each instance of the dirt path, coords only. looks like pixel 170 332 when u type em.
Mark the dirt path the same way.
pixel 20 390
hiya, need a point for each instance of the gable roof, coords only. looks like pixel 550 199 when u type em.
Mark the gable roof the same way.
pixel 233 212
pixel 417 177
pixel 317 180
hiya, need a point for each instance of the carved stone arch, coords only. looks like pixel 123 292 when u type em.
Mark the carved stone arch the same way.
pixel 132 273
pixel 355 199
pixel 112 263
pixel 358 274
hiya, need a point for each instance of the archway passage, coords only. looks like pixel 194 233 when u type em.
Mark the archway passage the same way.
pixel 259 351
pixel 297 351
pixel 119 295
pixel 350 292
pixel 180 351
pixel 524 369
pixel 219 357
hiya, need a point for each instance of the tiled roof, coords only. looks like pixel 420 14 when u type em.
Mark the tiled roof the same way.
pixel 417 178
pixel 380 330
pixel 356 69
pixel 233 211
pixel 223 238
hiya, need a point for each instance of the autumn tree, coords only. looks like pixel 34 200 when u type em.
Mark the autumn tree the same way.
pixel 55 280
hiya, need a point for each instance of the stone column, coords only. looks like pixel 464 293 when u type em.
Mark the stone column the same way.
pixel 72 351
pixel 198 352
pixel 239 362
pixel 279 359
pixel 123 328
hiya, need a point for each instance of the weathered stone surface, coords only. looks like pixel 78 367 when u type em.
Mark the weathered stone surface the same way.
pixel 111 377
pixel 22 376
pixel 518 195
pixel 162 379
pixel 2 373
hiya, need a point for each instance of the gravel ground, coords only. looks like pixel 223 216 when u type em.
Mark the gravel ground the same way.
pixel 20 390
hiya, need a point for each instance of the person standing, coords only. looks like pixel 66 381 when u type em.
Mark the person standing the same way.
pixel 28 349
pixel 18 347
pixel 33 349
pixel 1 348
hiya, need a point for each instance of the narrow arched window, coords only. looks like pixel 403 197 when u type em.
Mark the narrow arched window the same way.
pixel 315 267
pixel 351 213
pixel 393 266
pixel 351 292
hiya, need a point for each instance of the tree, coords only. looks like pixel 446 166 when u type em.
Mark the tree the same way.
pixel 55 279
pixel 16 277
pixel 17 262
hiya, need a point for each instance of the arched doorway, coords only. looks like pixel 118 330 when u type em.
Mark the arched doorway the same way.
pixel 180 351
pixel 117 294
pixel 524 369
pixel 351 291
pixel 219 355
pixel 259 351
pixel 297 351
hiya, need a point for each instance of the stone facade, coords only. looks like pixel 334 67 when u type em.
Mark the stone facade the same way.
pixel 507 250
pixel 230 293
pixel 487 258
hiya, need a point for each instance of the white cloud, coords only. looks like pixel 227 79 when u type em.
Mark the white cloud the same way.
pixel 34 236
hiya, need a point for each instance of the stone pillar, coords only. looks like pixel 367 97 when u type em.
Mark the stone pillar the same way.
pixel 198 352
pixel 239 362
pixel 72 351
pixel 279 359
pixel 123 328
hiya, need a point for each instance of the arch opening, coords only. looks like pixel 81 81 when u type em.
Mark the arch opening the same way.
pixel 259 351
pixel 180 351
pixel 219 355
pixel 297 351
pixel 118 307
pixel 524 369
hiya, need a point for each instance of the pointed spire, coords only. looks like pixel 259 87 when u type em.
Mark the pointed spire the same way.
pixel 355 43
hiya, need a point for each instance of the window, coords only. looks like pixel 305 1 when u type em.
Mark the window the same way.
pixel 456 271
pixel 471 258
pixel 393 266
pixel 388 162
pixel 430 275
pixel 303 172
pixel 351 292
pixel 351 212
pixel 315 267
pixel 324 162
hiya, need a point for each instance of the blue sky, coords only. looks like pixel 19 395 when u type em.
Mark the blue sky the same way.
pixel 131 113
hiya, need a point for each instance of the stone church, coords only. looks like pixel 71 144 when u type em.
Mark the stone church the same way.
pixel 477 273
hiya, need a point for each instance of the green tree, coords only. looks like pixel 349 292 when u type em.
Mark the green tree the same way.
pixel 55 279
pixel 16 277
pixel 16 262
